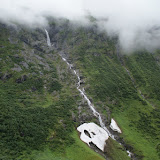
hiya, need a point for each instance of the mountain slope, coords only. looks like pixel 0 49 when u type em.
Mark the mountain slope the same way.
pixel 41 107
pixel 36 98
pixel 127 85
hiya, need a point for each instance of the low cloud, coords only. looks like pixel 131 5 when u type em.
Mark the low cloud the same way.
pixel 135 21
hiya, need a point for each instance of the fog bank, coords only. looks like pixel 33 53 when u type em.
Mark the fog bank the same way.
pixel 135 21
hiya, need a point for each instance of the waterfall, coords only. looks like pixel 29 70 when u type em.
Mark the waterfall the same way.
pixel 48 38
pixel 91 106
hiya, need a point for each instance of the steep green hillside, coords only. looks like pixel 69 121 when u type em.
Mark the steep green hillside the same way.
pixel 41 108
pixel 36 99
pixel 109 85
pixel 131 96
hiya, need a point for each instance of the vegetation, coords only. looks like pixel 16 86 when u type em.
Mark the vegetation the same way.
pixel 36 102
pixel 38 94
pixel 77 151
pixel 145 70
pixel 109 85
pixel 25 124
pixel 115 150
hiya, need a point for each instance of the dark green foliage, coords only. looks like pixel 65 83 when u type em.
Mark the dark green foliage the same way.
pixel 150 123
pixel 24 128
pixel 54 86
pixel 107 82
pixel 24 124
pixel 146 71
pixel 31 83
pixel 95 54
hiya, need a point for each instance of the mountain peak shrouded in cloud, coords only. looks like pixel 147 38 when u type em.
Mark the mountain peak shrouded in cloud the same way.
pixel 135 21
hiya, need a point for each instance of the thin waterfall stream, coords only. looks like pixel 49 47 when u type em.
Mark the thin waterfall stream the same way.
pixel 48 38
pixel 82 92
pixel 91 106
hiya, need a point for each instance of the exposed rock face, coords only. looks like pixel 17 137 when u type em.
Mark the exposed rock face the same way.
pixel 90 132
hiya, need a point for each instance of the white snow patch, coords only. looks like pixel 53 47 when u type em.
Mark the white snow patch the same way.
pixel 98 135
pixel 114 126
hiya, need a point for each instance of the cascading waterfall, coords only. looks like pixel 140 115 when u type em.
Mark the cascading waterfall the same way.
pixel 91 106
pixel 48 38
pixel 96 114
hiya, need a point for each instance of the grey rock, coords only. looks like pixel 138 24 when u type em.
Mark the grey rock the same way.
pixel 12 40
pixel 17 68
pixel 24 64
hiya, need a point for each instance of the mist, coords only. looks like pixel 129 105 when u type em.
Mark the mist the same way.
pixel 136 22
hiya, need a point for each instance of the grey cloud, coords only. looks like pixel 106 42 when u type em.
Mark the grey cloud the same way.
pixel 135 21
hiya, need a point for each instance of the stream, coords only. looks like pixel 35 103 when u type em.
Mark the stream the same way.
pixel 82 92
pixel 91 106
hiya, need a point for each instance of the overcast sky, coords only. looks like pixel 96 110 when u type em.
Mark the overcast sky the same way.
pixel 136 21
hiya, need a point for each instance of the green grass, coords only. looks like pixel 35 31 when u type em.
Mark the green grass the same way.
pixel 77 151
pixel 106 82
pixel 30 114
pixel 143 145
pixel 81 151
pixel 145 70
pixel 115 151
pixel 109 84
pixel 49 100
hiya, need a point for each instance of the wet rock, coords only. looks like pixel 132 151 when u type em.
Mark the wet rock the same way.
pixel 82 82
pixel 22 79
pixel 5 76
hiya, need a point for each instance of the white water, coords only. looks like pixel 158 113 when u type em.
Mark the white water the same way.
pixel 91 106
pixel 48 38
